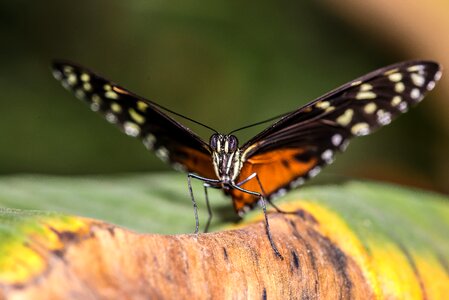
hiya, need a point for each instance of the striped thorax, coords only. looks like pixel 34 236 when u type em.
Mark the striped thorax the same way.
pixel 225 157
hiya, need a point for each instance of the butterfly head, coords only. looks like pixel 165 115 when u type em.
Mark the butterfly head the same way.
pixel 225 156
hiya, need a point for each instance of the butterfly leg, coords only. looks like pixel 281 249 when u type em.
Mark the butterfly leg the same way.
pixel 209 211
pixel 267 225
pixel 195 206
pixel 254 175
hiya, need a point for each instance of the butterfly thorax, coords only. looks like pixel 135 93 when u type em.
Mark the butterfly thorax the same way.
pixel 225 157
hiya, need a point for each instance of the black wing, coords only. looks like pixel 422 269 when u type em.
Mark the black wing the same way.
pixel 297 146
pixel 138 117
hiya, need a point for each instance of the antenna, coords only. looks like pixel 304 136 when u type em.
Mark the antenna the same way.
pixel 182 116
pixel 260 122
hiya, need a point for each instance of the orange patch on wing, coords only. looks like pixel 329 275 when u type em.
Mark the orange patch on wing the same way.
pixel 197 162
pixel 275 169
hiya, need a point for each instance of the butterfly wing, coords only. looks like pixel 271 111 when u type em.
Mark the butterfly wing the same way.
pixel 296 147
pixel 138 117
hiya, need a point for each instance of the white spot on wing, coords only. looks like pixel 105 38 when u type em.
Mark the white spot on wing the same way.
pixel 110 117
pixel 438 75
pixel 403 106
pixel 415 94
pixel 279 193
pixel 328 156
pixel 336 139
pixel 383 117
pixel 179 167
pixel 430 85
pixel 57 74
pixel 94 106
pixel 149 141
pixel 344 145
pixel 79 93
pixel 131 129
pixel 297 182
pixel 314 171
pixel 162 153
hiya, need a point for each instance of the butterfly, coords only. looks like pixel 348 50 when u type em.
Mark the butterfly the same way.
pixel 283 156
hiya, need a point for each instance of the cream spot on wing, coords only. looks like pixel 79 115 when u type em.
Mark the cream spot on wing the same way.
pixel 365 95
pixel 415 68
pixel 395 77
pixel 107 87
pixel 396 100
pixel 67 69
pixel 399 87
pixel 330 108
pixel 370 108
pixel 116 108
pixel 142 106
pixel 111 95
pixel 366 87
pixel 346 117
pixel 391 71
pixel 136 116
pixel 360 129
pixel 131 129
pixel 71 79
pixel 417 79
pixel 85 77
pixel 87 86
pixel 323 104
pixel 356 83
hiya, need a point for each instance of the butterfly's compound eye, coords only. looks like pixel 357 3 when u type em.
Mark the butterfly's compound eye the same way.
pixel 213 142
pixel 233 143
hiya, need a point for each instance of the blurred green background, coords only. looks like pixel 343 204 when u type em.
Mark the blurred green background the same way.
pixel 224 63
